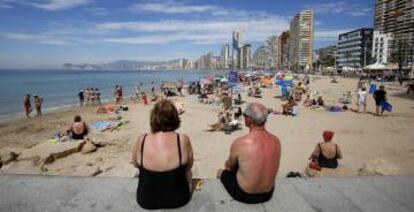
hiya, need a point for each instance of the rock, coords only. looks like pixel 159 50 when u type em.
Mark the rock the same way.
pixel 45 153
pixel 378 167
pixel 88 147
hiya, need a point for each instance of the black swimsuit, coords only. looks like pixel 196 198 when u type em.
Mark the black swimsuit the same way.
pixel 229 180
pixel 328 162
pixel 167 189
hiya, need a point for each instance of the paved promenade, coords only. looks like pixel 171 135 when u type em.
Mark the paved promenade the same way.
pixel 57 193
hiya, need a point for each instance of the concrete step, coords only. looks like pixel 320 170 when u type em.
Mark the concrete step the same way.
pixel 64 193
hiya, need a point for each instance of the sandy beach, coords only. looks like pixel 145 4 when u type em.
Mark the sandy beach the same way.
pixel 383 145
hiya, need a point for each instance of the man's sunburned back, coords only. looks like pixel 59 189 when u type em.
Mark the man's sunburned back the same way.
pixel 258 156
pixel 329 150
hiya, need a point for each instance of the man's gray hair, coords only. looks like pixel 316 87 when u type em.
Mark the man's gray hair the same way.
pixel 257 112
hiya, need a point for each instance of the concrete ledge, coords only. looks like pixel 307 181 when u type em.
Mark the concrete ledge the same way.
pixel 62 193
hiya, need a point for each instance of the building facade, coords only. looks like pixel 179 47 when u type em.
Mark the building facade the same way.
pixel 225 56
pixel 272 46
pixel 301 40
pixel 396 17
pixel 382 47
pixel 354 48
pixel 237 44
pixel 247 56
pixel 282 61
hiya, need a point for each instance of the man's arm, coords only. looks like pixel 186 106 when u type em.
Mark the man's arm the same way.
pixel 232 160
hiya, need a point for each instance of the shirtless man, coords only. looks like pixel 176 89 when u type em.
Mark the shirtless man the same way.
pixel 79 128
pixel 251 169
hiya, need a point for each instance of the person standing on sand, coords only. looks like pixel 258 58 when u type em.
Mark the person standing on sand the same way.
pixel 38 104
pixel 98 96
pixel 27 106
pixel 362 99
pixel 380 96
pixel 250 171
pixel 81 97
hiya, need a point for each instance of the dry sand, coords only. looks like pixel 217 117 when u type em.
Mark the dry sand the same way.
pixel 383 145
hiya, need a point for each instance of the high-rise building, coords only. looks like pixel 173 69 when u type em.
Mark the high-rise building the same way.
pixel 396 17
pixel 382 47
pixel 272 46
pixel 326 56
pixel 301 40
pixel 207 61
pixel 246 56
pixel 224 58
pixel 282 60
pixel 237 44
pixel 354 48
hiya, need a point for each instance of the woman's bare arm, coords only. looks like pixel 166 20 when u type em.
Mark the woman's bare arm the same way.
pixel 315 153
pixel 135 151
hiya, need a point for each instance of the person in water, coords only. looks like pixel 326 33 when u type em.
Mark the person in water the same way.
pixel 79 129
pixel 164 159
pixel 250 171
pixel 326 153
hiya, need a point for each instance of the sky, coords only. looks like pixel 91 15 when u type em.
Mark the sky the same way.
pixel 48 33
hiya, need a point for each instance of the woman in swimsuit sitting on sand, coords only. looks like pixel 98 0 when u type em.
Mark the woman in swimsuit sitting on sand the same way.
pixel 326 154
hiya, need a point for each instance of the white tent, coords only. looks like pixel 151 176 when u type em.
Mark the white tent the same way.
pixel 376 66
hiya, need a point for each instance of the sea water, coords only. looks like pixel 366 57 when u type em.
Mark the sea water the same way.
pixel 60 88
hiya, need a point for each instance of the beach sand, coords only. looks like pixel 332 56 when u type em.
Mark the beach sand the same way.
pixel 380 145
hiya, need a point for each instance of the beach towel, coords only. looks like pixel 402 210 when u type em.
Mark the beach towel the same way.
pixel 101 125
pixel 386 106
pixel 335 109
pixel 372 88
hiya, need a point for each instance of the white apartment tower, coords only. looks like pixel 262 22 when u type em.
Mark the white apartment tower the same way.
pixel 382 46
pixel 301 40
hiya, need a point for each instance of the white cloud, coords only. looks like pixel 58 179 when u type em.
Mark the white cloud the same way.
pixel 35 38
pixel 98 11
pixel 171 7
pixel 52 5
pixel 340 7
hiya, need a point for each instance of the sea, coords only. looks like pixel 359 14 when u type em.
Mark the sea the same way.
pixel 59 88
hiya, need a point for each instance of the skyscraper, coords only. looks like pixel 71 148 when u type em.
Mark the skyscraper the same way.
pixel 283 50
pixel 396 17
pixel 272 46
pixel 224 58
pixel 301 40
pixel 246 56
pixel 237 44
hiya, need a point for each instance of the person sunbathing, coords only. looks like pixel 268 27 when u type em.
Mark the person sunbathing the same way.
pixel 308 101
pixel 288 107
pixel 224 117
pixel 326 154
pixel 79 129
pixel 180 107
pixel 106 109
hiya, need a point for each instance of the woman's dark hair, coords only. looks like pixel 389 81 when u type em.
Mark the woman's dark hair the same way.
pixel 77 119
pixel 164 117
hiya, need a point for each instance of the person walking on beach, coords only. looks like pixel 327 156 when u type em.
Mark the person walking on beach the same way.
pixel 362 99
pixel 164 159
pixel 250 171
pixel 81 97
pixel 27 106
pixel 380 96
pixel 38 104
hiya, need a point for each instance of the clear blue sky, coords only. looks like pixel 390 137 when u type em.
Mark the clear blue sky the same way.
pixel 48 33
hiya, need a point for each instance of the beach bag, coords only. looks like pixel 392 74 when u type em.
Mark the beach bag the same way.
pixel 295 110
pixel 314 165
pixel 372 88
pixel 386 106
